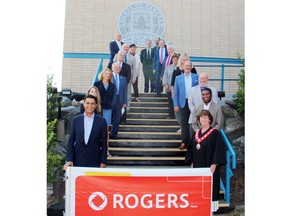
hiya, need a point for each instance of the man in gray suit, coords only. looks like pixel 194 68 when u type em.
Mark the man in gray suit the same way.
pixel 195 94
pixel 214 109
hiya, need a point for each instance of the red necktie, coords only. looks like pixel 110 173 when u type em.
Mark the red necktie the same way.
pixel 168 61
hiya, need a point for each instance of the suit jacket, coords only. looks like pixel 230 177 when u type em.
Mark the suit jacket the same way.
pixel 122 92
pixel 195 98
pixel 106 95
pixel 132 62
pixel 113 50
pixel 147 63
pixel 164 62
pixel 216 112
pixel 156 59
pixel 125 70
pixel 180 91
pixel 95 152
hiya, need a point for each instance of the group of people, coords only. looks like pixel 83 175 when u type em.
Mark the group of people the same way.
pixel 191 101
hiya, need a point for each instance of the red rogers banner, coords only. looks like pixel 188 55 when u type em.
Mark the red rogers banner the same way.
pixel 138 192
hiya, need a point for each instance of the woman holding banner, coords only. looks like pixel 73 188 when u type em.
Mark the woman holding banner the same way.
pixel 207 149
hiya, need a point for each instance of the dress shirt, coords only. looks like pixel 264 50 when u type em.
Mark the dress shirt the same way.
pixel 188 84
pixel 119 44
pixel 206 107
pixel 88 123
pixel 116 78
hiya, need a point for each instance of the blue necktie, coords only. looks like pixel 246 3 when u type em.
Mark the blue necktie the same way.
pixel 126 58
pixel 117 83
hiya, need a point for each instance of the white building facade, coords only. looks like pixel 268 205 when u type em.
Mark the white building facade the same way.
pixel 204 29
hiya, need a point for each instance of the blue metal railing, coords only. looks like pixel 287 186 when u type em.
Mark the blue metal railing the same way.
pixel 99 69
pixel 214 62
pixel 231 160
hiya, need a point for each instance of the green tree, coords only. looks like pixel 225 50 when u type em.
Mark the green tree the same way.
pixel 239 97
pixel 54 160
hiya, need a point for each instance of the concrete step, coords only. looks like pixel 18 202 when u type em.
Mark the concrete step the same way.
pixel 150 99
pixel 149 104
pixel 149 143
pixel 148 135
pixel 164 95
pixel 137 121
pixel 146 161
pixel 150 128
pixel 163 109
pixel 147 115
pixel 126 151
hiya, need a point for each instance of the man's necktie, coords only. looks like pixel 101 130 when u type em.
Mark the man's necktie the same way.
pixel 148 53
pixel 161 55
pixel 117 83
pixel 168 61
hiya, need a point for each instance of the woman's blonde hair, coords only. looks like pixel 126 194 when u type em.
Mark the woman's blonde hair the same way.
pixel 179 65
pixel 101 75
pixel 98 108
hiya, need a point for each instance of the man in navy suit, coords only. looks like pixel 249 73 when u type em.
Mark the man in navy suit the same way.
pixel 158 62
pixel 87 143
pixel 119 100
pixel 182 88
pixel 115 46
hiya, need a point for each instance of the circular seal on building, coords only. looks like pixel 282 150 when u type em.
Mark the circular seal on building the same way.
pixel 140 21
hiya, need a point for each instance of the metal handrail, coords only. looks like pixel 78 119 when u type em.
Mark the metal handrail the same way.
pixel 99 69
pixel 230 155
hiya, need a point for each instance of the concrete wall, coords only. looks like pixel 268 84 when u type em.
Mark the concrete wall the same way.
pixel 202 28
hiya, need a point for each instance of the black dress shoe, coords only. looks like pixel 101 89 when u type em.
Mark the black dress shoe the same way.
pixel 113 137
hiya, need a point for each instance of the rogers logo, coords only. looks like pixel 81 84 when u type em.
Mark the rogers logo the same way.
pixel 146 201
pixel 95 207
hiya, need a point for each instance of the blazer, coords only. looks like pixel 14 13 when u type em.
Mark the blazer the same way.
pixel 125 70
pixel 216 112
pixel 106 95
pixel 147 63
pixel 95 152
pixel 179 89
pixel 122 92
pixel 195 98
pixel 113 49
pixel 156 59
pixel 177 72
pixel 133 66
pixel 164 62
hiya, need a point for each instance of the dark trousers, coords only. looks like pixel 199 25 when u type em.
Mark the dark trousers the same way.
pixel 170 104
pixel 135 88
pixel 185 132
pixel 158 82
pixel 149 78
pixel 116 115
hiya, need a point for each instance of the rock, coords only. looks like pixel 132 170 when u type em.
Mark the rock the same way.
pixel 65 101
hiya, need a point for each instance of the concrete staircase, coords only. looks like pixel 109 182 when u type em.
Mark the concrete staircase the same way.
pixel 148 137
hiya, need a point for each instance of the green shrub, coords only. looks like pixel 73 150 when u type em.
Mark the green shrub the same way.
pixel 239 97
pixel 54 160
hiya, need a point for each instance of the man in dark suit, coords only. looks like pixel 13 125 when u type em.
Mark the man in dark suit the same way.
pixel 146 57
pixel 119 100
pixel 126 72
pixel 158 62
pixel 115 46
pixel 87 143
